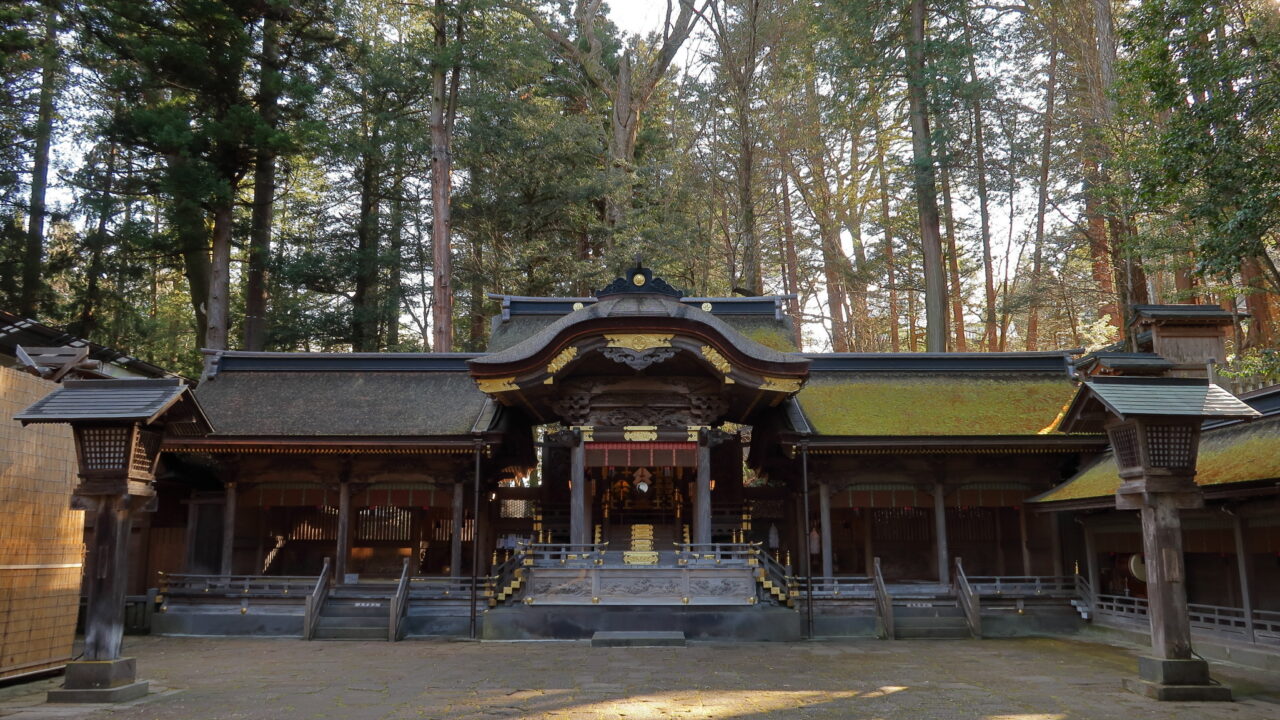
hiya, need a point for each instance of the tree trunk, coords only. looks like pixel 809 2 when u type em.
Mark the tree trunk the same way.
pixel 953 266
pixel 1099 247
pixel 33 254
pixel 395 253
pixel 219 305
pixel 87 323
pixel 476 326
pixel 188 221
pixel 751 276
pixel 886 219
pixel 264 189
pixel 364 305
pixel 791 262
pixel 984 205
pixel 441 193
pixel 1042 204
pixel 1262 323
pixel 832 261
pixel 935 279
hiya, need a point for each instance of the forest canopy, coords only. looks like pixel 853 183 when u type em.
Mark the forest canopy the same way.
pixel 942 175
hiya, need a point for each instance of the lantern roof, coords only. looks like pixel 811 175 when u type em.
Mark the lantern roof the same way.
pixel 1101 398
pixel 93 401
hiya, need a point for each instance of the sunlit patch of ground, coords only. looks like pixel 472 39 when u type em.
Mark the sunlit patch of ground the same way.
pixel 710 706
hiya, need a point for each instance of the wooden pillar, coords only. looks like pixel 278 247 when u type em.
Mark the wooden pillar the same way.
pixel 455 541
pixel 1242 566
pixel 1091 559
pixel 824 519
pixel 1000 565
pixel 578 531
pixel 344 531
pixel 940 533
pixel 702 497
pixel 1022 538
pixel 193 520
pixel 868 552
pixel 802 536
pixel 1055 544
pixel 1166 577
pixel 229 527
pixel 106 577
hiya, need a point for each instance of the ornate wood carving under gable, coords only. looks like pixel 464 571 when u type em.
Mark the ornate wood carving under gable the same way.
pixel 641 359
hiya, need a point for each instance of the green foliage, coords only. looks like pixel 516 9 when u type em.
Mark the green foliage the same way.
pixel 1205 80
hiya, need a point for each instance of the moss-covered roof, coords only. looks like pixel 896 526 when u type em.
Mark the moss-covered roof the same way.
pixel 1238 453
pixel 356 404
pixel 934 404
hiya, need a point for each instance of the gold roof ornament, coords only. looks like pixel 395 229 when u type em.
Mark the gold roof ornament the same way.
pixel 638 342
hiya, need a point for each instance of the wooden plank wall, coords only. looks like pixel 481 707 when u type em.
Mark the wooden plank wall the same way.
pixel 41 538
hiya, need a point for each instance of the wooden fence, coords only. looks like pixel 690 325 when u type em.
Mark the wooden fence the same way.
pixel 41 538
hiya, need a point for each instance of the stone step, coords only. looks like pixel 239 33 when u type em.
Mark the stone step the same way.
pixel 927 611
pixel 930 621
pixel 334 621
pixel 350 633
pixel 638 638
pixel 356 608
pixel 909 633
pixel 930 627
pixel 360 593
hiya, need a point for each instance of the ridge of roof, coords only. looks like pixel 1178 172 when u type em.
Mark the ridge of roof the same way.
pixel 245 361
pixel 1054 362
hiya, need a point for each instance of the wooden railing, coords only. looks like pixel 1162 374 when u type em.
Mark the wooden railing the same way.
pixel 968 600
pixel 1260 626
pixel 253 585
pixel 427 588
pixel 569 555
pixel 884 602
pixel 694 554
pixel 315 601
pixel 1084 592
pixel 399 602
pixel 852 587
pixel 1024 585
pixel 777 577
pixel 502 585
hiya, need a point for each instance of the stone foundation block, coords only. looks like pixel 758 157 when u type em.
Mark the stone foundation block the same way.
pixel 100 681
pixel 118 694
pixel 1179 693
pixel 100 674
pixel 1173 672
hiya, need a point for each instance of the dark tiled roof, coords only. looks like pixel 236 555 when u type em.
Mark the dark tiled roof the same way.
pixel 16 330
pixel 758 318
pixel 638 306
pixel 1198 313
pixel 306 403
pixel 1129 396
pixel 82 400
pixel 1126 362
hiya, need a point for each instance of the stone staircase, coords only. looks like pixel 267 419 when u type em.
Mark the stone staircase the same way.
pixel 356 612
pixel 927 612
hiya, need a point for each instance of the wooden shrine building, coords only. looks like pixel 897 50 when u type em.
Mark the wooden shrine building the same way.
pixel 641 459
